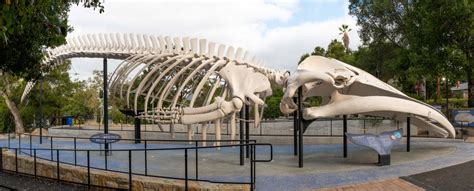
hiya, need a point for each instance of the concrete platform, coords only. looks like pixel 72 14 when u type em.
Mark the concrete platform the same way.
pixel 324 164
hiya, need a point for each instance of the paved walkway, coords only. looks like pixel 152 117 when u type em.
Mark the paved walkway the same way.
pixel 10 182
pixel 394 184
pixel 324 165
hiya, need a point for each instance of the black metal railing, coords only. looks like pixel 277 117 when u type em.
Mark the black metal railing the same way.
pixel 333 127
pixel 32 152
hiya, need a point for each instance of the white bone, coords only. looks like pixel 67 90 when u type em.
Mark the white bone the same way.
pixel 202 46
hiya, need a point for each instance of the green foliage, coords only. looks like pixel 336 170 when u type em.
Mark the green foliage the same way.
pixel 407 41
pixel 435 32
pixel 303 57
pixel 117 116
pixel 272 108
pixel 318 51
pixel 59 97
pixel 27 27
pixel 336 50
pixel 453 102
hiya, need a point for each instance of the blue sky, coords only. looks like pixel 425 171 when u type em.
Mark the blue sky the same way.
pixel 307 11
pixel 275 31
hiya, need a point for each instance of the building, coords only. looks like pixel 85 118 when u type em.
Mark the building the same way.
pixel 460 89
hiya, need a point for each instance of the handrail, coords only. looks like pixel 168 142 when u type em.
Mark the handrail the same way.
pixel 156 140
pixel 33 153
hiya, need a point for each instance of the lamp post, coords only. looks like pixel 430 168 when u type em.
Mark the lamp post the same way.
pixel 447 95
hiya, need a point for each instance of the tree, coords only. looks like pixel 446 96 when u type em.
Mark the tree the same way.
pixel 318 51
pixel 440 39
pixel 336 50
pixel 345 37
pixel 431 39
pixel 272 104
pixel 26 29
pixel 304 56
pixel 9 83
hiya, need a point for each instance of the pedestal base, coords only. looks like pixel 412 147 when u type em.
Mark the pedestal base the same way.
pixel 384 160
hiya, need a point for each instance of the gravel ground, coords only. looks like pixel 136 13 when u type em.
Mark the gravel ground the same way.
pixel 9 181
pixel 458 177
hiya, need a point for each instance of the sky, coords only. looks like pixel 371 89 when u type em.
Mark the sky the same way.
pixel 276 31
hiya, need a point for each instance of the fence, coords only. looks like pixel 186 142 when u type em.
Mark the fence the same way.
pixel 32 152
pixel 282 127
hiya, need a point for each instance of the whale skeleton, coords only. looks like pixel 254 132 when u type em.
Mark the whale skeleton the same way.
pixel 347 90
pixel 192 81
pixel 175 80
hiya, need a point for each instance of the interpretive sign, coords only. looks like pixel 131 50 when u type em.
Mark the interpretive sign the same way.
pixel 103 138
pixel 464 117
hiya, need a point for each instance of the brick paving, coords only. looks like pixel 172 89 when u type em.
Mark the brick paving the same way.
pixel 11 181
pixel 394 184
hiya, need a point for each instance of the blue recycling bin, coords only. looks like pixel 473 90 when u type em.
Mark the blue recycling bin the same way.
pixel 69 120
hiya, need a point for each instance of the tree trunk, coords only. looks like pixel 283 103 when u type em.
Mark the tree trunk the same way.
pixel 470 88
pixel 16 114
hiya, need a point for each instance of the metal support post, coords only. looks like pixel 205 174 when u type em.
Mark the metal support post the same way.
pixel 241 135
pixel 295 130
pixel 137 130
pixel 247 129
pixel 300 127
pixel 408 134
pixel 106 104
pixel 447 98
pixel 344 135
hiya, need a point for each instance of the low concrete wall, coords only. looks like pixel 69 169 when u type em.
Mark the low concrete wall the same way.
pixel 274 132
pixel 104 178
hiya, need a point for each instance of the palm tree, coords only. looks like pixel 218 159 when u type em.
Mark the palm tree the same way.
pixel 345 37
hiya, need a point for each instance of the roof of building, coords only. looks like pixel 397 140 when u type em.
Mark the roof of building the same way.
pixel 462 86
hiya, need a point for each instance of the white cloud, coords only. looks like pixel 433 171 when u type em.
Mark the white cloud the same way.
pixel 236 23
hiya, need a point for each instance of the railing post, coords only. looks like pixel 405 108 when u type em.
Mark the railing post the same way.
pixel 75 151
pixel 1 159
pixel 19 141
pixel 57 165
pixel 186 169
pixel 252 186
pixel 31 146
pixel 51 148
pixel 255 165
pixel 105 155
pixel 197 164
pixel 34 162
pixel 16 160
pixel 88 170
pixel 130 169
pixel 146 158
